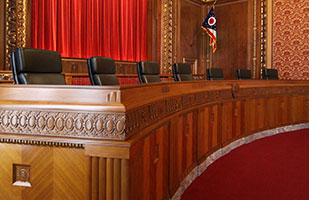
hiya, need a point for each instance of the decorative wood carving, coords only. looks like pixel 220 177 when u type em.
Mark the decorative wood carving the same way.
pixel 167 35
pixel 21 175
pixel 173 127
pixel 11 30
pixel 254 56
pixel 263 33
pixel 64 124
pixel 235 90
pixel 16 24
pixel 40 143
pixel 142 117
pixel 6 76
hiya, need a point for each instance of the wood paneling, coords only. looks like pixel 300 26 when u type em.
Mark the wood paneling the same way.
pixel 260 114
pixel 149 166
pixel 139 144
pixel 233 124
pixel 284 107
pixel 235 36
pixel 306 108
pixel 297 111
pixel 174 34
pixel 108 178
pixel 189 33
pixel 55 173
pixel 182 148
pixel 209 130
pixel 2 35
pixel 79 66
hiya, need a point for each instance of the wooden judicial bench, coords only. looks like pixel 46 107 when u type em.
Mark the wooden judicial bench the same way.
pixel 133 142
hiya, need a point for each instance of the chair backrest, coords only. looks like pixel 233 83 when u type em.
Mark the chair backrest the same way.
pixel 214 74
pixel 182 72
pixel 242 74
pixel 270 74
pixel 102 71
pixel 13 65
pixel 148 72
pixel 37 66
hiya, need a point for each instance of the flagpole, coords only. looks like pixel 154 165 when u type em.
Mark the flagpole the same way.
pixel 214 4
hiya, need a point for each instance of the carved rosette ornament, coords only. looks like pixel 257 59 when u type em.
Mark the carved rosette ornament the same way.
pixel 76 125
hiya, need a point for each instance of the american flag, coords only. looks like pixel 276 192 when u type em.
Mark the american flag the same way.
pixel 209 25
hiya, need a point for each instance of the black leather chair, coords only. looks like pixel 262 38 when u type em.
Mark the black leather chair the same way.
pixel 214 74
pixel 182 72
pixel 243 74
pixel 13 66
pixel 148 72
pixel 37 66
pixel 102 71
pixel 270 74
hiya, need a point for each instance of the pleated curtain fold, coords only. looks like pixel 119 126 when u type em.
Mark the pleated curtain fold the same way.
pixel 85 28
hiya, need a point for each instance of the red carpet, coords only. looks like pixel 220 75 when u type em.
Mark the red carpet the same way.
pixel 275 167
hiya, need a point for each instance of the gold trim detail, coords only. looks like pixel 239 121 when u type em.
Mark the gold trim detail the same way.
pixel 263 33
pixel 10 30
pixel 167 37
pixel 21 22
pixel 254 39
pixel 15 27
pixel 41 143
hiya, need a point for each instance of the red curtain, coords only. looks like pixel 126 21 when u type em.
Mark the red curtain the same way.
pixel 85 28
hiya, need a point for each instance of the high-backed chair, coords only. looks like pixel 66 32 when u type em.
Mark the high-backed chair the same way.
pixel 270 74
pixel 13 65
pixel 214 74
pixel 37 66
pixel 182 72
pixel 148 72
pixel 102 71
pixel 243 74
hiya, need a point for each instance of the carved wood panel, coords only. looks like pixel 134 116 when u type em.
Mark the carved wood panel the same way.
pixel 66 124
pixel 55 173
